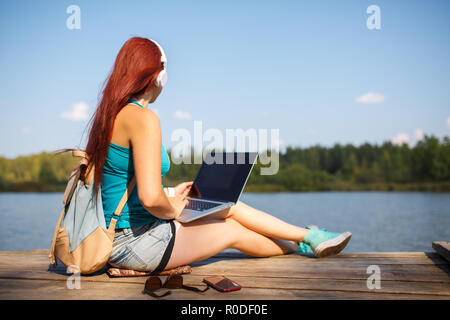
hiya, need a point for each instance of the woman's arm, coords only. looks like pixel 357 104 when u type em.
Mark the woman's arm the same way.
pixel 145 139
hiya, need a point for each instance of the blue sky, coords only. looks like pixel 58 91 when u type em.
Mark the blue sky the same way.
pixel 297 66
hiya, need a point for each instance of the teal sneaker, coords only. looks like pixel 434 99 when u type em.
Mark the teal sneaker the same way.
pixel 303 247
pixel 325 243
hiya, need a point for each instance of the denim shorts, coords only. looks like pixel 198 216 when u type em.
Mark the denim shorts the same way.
pixel 143 248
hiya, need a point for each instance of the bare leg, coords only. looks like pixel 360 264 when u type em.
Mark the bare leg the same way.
pixel 263 223
pixel 201 239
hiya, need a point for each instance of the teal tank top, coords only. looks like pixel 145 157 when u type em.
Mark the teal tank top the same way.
pixel 118 170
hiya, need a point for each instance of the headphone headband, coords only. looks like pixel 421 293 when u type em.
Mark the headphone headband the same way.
pixel 162 76
pixel 163 55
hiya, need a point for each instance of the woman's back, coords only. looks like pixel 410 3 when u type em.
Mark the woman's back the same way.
pixel 118 170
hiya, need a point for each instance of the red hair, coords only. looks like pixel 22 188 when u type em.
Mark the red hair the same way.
pixel 135 71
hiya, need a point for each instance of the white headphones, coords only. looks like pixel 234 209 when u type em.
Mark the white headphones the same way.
pixel 162 76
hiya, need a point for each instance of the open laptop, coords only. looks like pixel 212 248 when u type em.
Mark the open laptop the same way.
pixel 219 183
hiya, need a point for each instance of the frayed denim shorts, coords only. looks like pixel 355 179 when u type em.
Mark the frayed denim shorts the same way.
pixel 143 248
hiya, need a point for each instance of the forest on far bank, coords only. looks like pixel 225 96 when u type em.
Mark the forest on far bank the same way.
pixel 423 167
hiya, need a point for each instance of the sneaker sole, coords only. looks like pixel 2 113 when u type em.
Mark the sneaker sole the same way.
pixel 333 246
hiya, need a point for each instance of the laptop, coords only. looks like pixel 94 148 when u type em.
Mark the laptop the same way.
pixel 218 184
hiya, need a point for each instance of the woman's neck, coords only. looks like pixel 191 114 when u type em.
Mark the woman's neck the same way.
pixel 143 102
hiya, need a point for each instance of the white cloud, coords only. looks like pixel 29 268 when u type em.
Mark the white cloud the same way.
pixel 418 135
pixel 448 123
pixel 26 130
pixel 181 115
pixel 79 112
pixel 370 98
pixel 400 139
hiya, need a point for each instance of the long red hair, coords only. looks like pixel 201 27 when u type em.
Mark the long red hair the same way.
pixel 135 71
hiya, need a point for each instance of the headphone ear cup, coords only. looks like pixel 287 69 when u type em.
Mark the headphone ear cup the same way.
pixel 161 80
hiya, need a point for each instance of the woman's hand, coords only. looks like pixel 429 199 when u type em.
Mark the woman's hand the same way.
pixel 183 188
pixel 178 203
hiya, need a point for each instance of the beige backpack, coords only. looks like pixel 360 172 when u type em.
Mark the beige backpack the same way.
pixel 81 240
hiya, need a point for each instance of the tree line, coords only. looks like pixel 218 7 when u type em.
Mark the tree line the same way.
pixel 426 166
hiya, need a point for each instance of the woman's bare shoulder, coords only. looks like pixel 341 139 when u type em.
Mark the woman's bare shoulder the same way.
pixel 133 115
pixel 136 118
pixel 132 120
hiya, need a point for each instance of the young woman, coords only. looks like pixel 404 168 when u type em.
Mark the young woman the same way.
pixel 125 140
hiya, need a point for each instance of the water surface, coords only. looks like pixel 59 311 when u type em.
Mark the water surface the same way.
pixel 379 221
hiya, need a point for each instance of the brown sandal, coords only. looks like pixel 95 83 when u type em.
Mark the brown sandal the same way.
pixel 117 272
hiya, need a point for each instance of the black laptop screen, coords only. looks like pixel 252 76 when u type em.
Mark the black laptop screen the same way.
pixel 222 176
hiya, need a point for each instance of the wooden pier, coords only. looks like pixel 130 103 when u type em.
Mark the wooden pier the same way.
pixel 403 275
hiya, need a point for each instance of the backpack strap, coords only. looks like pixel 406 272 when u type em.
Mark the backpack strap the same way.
pixel 116 215
pixel 51 255
pixel 70 187
pixel 75 175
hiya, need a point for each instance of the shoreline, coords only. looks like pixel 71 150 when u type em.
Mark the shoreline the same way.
pixel 341 186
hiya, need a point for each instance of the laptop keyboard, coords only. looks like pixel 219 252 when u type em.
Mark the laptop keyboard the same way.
pixel 199 205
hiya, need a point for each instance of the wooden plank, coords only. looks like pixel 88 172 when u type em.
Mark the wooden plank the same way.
pixel 41 289
pixel 235 253
pixel 387 286
pixel 422 260
pixel 404 275
pixel 418 273
pixel 411 273
pixel 342 255
pixel 295 267
pixel 442 248
pixel 37 259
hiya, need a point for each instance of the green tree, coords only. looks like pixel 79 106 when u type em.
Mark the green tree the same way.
pixel 350 167
pixel 440 166
pixel 46 174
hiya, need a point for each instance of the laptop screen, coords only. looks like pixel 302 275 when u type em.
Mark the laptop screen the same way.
pixel 223 175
